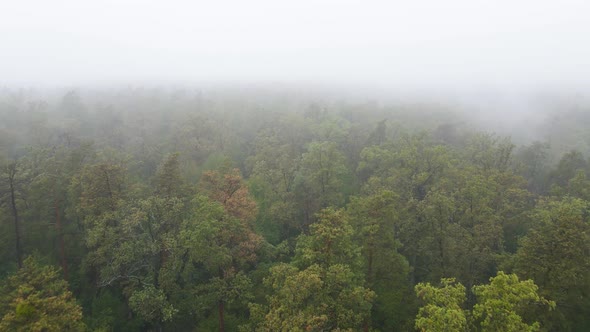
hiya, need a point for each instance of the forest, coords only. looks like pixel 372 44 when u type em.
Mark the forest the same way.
pixel 255 209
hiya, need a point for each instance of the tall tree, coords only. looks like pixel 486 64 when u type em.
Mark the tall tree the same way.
pixel 374 219
pixel 168 180
pixel 226 247
pixel 13 183
pixel 320 180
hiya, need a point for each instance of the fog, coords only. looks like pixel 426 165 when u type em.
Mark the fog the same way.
pixel 503 62
pixel 434 46
pixel 268 165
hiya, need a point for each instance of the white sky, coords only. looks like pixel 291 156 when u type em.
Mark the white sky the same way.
pixel 416 42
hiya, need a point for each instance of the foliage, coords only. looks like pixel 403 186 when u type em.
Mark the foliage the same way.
pixel 173 209
pixel 500 302
pixel 500 305
pixel 442 310
pixel 555 255
pixel 35 298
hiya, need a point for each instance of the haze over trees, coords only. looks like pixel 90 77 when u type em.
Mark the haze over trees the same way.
pixel 160 209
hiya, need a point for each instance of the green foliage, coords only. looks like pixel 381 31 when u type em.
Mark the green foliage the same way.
pixel 225 247
pixel 151 304
pixel 35 298
pixel 533 164
pixel 323 289
pixel 555 255
pixel 109 312
pixel 168 180
pixel 568 166
pixel 313 299
pixel 318 215
pixel 330 241
pixel 321 175
pixel 443 307
pixel 490 152
pixel 501 303
pixel 374 219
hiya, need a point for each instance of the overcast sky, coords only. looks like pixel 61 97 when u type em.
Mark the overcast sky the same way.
pixel 436 42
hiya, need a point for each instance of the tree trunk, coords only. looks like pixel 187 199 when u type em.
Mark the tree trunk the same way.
pixel 369 281
pixel 62 247
pixel 369 278
pixel 19 259
pixel 220 308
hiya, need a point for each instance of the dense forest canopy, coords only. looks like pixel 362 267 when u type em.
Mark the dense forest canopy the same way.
pixel 285 209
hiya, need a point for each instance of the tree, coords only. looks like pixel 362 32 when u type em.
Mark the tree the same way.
pixel 320 180
pixel 98 192
pixel 314 299
pixel 329 242
pixel 12 188
pixel 53 169
pixel 98 189
pixel 129 241
pixel 227 187
pixel 443 307
pixel 225 247
pixel 374 219
pixel 555 255
pixel 501 303
pixel 488 151
pixel 323 290
pixel 568 166
pixel 533 165
pixel 273 169
pixel 465 217
pixel 379 135
pixel 36 299
pixel 168 179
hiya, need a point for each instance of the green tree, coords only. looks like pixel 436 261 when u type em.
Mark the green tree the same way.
pixel 442 310
pixel 313 299
pixel 501 303
pixel 329 242
pixel 532 164
pixel 488 151
pixel 374 219
pixel 320 180
pixel 36 298
pixel 323 290
pixel 169 182
pixel 13 181
pixel 568 166
pixel 555 255
pixel 226 247
pixel 274 167
pixel 130 241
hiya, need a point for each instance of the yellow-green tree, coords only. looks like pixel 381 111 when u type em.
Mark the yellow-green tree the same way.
pixel 500 306
pixel 501 303
pixel 442 310
pixel 36 298
pixel 323 290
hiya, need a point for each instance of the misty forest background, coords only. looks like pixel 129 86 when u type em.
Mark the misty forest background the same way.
pixel 154 209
